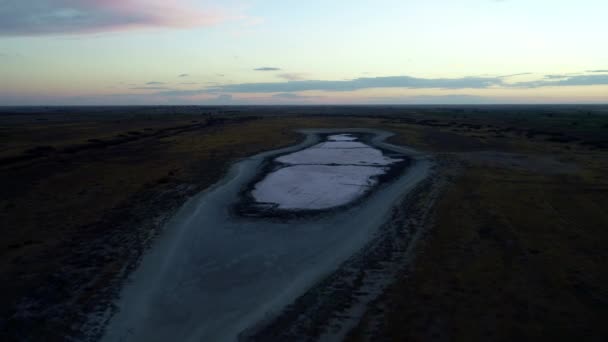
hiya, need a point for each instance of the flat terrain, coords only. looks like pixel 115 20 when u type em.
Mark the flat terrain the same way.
pixel 216 273
pixel 516 246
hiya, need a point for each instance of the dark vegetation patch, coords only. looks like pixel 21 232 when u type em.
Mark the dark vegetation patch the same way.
pixel 512 256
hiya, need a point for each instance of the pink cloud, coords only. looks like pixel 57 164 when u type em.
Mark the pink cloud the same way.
pixel 168 13
pixel 92 16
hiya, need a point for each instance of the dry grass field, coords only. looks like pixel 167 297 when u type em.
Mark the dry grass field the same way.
pixel 516 251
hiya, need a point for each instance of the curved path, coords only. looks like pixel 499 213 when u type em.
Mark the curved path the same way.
pixel 212 275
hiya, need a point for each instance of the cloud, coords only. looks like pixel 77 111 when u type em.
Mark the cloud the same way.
pixel 555 77
pixel 155 83
pixel 267 69
pixel 183 75
pixel 221 99
pixel 286 89
pixel 292 76
pixel 290 96
pixel 149 88
pixel 364 83
pixel 597 71
pixel 179 92
pixel 47 17
pixel 513 75
pixel 555 81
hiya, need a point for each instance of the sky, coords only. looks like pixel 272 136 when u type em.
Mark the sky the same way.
pixel 170 52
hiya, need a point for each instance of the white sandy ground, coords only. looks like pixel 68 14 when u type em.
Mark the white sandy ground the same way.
pixel 341 137
pixel 341 144
pixel 339 156
pixel 211 276
pixel 315 186
pixel 323 176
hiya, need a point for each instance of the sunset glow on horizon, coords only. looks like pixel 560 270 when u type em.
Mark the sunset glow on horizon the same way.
pixel 110 52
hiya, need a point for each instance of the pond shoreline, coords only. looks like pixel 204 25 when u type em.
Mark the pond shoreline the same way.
pixel 211 275
pixel 247 205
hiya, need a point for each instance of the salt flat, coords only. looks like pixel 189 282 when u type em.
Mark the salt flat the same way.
pixel 338 156
pixel 341 144
pixel 341 137
pixel 315 186
pixel 323 176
